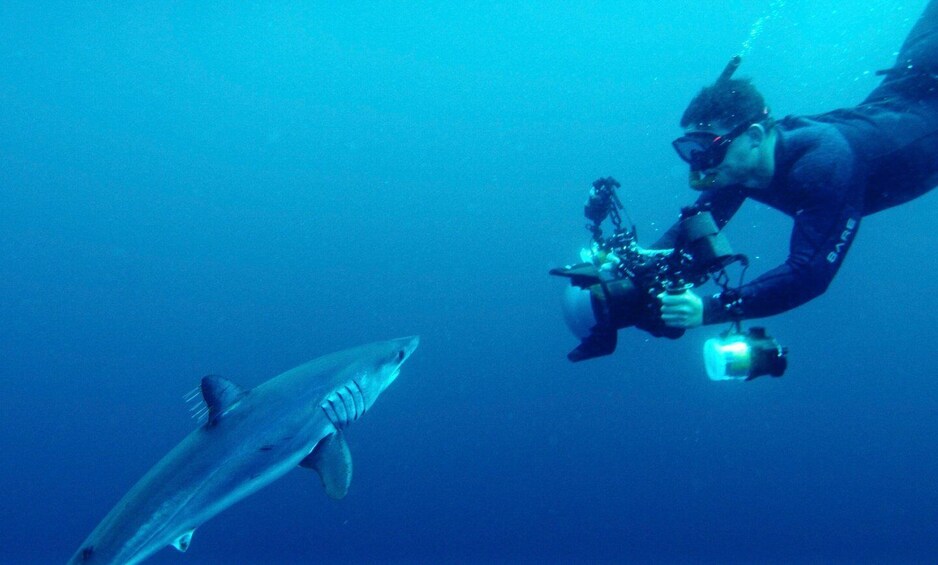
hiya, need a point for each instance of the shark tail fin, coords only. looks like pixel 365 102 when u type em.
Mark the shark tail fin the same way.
pixel 332 459
pixel 220 396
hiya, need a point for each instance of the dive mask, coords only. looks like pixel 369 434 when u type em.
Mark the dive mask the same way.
pixel 705 150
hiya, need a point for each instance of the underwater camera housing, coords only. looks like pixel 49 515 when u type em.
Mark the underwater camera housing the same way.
pixel 619 286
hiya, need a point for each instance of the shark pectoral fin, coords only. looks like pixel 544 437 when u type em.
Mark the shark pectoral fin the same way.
pixel 220 395
pixel 183 541
pixel 332 459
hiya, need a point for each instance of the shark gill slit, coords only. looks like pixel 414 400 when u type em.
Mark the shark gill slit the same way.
pixel 348 412
pixel 343 415
pixel 338 421
pixel 361 395
pixel 330 412
pixel 354 404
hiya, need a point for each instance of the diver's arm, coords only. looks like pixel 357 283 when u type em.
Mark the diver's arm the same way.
pixel 722 203
pixel 818 246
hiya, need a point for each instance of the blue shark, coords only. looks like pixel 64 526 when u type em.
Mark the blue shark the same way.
pixel 249 439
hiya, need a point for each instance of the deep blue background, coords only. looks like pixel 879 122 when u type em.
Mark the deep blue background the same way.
pixel 236 188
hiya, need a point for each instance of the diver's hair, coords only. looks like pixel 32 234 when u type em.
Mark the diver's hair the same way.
pixel 727 102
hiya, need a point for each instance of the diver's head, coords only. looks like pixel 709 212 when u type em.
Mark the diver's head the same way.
pixel 725 126
pixel 726 102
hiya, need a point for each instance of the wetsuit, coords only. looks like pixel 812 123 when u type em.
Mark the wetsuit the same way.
pixel 835 168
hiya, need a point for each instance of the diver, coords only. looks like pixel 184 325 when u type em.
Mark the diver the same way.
pixel 826 172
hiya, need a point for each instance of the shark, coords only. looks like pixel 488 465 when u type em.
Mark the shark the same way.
pixel 249 439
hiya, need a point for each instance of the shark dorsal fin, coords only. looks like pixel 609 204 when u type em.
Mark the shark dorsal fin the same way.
pixel 182 542
pixel 220 396
pixel 332 459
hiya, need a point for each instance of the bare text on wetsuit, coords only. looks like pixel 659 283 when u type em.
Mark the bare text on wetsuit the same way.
pixel 844 239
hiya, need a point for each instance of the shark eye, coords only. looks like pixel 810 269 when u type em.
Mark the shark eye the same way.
pixel 400 356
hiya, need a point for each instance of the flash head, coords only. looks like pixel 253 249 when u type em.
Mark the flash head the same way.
pixel 738 356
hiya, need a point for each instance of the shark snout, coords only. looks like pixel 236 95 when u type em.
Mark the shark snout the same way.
pixel 402 348
pixel 407 346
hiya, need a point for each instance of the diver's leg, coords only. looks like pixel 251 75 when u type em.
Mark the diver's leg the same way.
pixel 920 49
pixel 909 95
pixel 917 63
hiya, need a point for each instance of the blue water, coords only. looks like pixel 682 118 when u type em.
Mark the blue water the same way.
pixel 236 188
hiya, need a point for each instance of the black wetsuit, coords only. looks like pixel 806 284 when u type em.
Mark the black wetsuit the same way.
pixel 835 168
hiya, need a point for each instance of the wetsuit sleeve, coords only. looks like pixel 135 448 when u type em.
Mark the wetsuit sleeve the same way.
pixel 823 232
pixel 723 204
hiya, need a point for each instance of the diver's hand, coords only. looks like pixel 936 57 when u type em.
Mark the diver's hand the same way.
pixel 681 310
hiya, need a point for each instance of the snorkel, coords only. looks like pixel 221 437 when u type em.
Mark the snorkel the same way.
pixel 730 69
